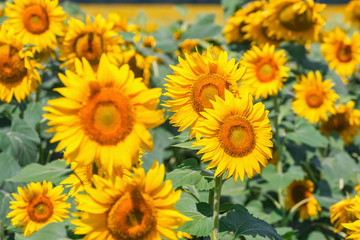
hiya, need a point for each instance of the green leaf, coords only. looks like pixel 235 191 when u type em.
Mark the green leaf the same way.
pixel 339 87
pixel 280 181
pixel 201 213
pixel 20 142
pixel 5 198
pixel 231 6
pixel 182 9
pixel 186 174
pixel 55 172
pixel 127 36
pixel 53 231
pixel 187 145
pixel 316 236
pixel 202 29
pixel 205 184
pixel 33 113
pixel 244 224
pixel 8 162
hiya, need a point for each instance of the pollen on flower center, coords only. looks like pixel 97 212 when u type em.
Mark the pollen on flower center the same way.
pixel 291 19
pixel 89 46
pixel 314 98
pixel 35 19
pixel 266 70
pixel 12 67
pixel 205 88
pixel 344 53
pixel 132 217
pixel 237 136
pixel 108 116
pixel 40 209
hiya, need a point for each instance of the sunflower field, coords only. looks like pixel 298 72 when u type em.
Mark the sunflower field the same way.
pixel 112 128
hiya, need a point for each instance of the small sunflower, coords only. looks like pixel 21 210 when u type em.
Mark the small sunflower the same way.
pixel 103 117
pixel 298 20
pixel 148 41
pixel 90 40
pixel 38 205
pixel 298 191
pixel 141 208
pixel 342 52
pixel 345 122
pixel 196 81
pixel 189 45
pixel 17 68
pixel 237 136
pixel 36 22
pixel 120 23
pixel 314 98
pixel 353 12
pixel 265 70
pixel 233 31
pixel 340 213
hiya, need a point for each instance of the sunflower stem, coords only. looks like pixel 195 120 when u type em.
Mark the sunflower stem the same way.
pixel 218 185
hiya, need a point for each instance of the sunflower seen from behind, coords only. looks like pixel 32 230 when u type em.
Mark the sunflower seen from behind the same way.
pixel 314 98
pixel 198 79
pixel 18 76
pixel 140 208
pixel 37 205
pixel 36 22
pixel 265 70
pixel 302 191
pixel 103 117
pixel 237 136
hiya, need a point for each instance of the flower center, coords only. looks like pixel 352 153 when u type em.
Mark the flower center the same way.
pixel 266 70
pixel 205 88
pixel 299 193
pixel 108 116
pixel 35 19
pixel 40 209
pixel 314 98
pixel 344 53
pixel 237 136
pixel 89 46
pixel 12 67
pixel 132 217
pixel 291 19
pixel 138 72
pixel 337 122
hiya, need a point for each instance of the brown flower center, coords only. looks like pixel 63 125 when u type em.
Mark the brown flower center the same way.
pixel 237 136
pixel 138 71
pixel 12 67
pixel 90 46
pixel 40 209
pixel 266 70
pixel 337 122
pixel 291 19
pixel 344 52
pixel 35 19
pixel 108 115
pixel 132 217
pixel 300 192
pixel 314 98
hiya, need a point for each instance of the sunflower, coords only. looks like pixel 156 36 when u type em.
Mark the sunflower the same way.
pixel 36 22
pixel 189 45
pixel 295 20
pixel 353 228
pixel 237 136
pixel 81 180
pixel 353 12
pixel 103 117
pixel 196 80
pixel 342 52
pixel 340 213
pixel 90 40
pixel 148 41
pixel 142 208
pixel 345 122
pixel 298 191
pixel 265 70
pixel 120 23
pixel 38 205
pixel 233 30
pixel 17 68
pixel 314 98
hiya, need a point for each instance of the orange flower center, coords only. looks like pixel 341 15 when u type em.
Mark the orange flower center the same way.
pixel 40 209
pixel 108 116
pixel 35 19
pixel 12 67
pixel 132 217
pixel 90 46
pixel 314 98
pixel 205 88
pixel 293 20
pixel 266 70
pixel 300 192
pixel 344 52
pixel 237 136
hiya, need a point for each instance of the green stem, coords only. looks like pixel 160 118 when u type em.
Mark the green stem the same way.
pixel 2 230
pixel 218 185
pixel 191 194
pixel 41 150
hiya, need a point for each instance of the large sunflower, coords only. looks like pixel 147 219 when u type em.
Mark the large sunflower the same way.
pixel 314 98
pixel 298 191
pixel 36 21
pixel 38 205
pixel 298 20
pixel 265 70
pixel 353 12
pixel 340 213
pixel 17 68
pixel 237 136
pixel 196 81
pixel 342 52
pixel 104 116
pixel 345 122
pixel 90 40
pixel 141 208
pixel 353 228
